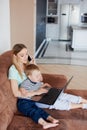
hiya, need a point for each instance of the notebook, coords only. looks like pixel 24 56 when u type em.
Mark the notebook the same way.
pixel 52 94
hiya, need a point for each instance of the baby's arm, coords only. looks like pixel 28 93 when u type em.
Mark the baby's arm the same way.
pixel 46 85
pixel 32 93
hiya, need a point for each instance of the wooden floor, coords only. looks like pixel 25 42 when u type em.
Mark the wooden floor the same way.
pixel 79 72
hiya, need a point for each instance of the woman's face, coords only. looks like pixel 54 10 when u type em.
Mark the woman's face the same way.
pixel 22 56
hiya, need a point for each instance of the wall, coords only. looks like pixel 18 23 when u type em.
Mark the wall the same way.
pixel 69 1
pixel 22 23
pixel 22 13
pixel 4 26
pixel 83 4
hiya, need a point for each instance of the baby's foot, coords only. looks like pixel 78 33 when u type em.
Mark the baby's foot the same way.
pixel 49 125
pixel 84 106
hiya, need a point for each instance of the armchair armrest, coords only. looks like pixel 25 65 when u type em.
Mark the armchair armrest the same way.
pixel 55 80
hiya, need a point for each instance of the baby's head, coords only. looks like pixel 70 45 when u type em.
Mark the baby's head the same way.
pixel 33 73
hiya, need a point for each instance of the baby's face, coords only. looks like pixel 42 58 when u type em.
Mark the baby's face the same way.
pixel 36 76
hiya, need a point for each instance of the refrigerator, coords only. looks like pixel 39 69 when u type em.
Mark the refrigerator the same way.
pixel 69 16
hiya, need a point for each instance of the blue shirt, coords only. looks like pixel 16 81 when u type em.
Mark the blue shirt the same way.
pixel 14 74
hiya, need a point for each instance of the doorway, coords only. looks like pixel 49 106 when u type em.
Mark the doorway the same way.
pixel 56 51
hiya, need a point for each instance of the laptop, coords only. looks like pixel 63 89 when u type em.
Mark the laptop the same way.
pixel 52 94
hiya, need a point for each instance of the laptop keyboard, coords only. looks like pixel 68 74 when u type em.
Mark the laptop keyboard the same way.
pixel 50 97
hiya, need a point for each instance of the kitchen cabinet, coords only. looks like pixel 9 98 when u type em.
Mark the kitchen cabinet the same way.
pixel 79 38
pixel 52 31
pixel 52 19
pixel 52 7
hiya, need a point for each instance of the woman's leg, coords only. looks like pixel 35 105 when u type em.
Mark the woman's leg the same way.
pixel 29 109
pixel 45 124
pixel 46 116
pixel 41 105
pixel 51 119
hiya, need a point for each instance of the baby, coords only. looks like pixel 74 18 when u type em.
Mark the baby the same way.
pixel 33 85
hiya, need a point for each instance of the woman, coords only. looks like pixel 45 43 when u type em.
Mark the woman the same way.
pixel 17 76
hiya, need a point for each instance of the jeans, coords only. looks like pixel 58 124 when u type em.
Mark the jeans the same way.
pixel 28 108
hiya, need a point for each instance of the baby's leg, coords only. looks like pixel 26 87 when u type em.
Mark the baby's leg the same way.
pixel 74 101
pixel 67 102
pixel 74 106
pixel 70 98
pixel 84 100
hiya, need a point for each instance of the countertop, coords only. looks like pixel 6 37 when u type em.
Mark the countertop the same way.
pixel 76 27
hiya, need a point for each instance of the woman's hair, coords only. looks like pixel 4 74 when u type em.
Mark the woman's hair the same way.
pixel 30 68
pixel 16 49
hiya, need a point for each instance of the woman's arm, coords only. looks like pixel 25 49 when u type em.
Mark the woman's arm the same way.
pixel 15 89
pixel 24 93
pixel 46 85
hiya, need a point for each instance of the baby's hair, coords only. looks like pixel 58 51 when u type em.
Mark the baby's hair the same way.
pixel 30 68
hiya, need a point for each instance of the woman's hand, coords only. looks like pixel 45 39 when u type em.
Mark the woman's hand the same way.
pixel 23 91
pixel 32 61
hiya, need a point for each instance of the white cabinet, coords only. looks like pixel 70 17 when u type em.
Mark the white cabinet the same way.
pixel 79 39
pixel 52 31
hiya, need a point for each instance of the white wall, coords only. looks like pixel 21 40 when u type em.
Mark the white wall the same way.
pixel 4 26
pixel 83 6
pixel 69 1
pixel 22 23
